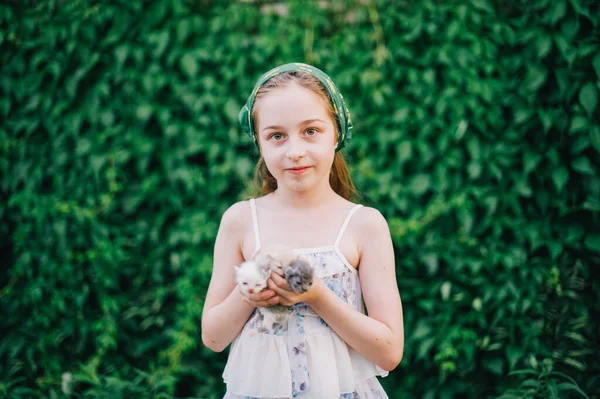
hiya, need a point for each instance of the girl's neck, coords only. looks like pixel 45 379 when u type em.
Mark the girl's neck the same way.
pixel 311 199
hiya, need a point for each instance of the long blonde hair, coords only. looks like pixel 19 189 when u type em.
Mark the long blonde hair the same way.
pixel 339 178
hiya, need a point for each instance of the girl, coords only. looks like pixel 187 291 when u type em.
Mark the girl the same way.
pixel 329 348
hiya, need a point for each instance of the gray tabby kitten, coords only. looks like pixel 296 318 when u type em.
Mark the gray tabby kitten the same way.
pixel 252 277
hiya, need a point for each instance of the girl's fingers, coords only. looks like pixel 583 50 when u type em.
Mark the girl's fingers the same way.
pixel 261 296
pixel 261 303
pixel 280 281
pixel 274 301
pixel 274 287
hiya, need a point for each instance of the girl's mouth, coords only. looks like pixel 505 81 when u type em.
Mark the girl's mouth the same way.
pixel 297 171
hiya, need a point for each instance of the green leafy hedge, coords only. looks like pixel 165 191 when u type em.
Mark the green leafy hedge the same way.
pixel 477 134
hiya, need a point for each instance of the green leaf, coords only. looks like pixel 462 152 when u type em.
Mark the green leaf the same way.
pixel 483 5
pixel 513 354
pixel 121 53
pixel 420 183
pixel 595 137
pixel 570 27
pixel 474 170
pixel 560 176
pixel 530 161
pixel 143 112
pixel 460 131
pixel 565 386
pixel 555 248
pixel 557 11
pixel 583 165
pixel 404 150
pixel 160 41
pixel 519 372
pixel 523 189
pixel 432 262
pixel 494 365
pixel 588 97
pixel 183 30
pixel 578 123
pixel 83 146
pixel 231 110
pixel 592 204
pixel 543 46
pixel 189 65
pixel 534 78
pixel 593 242
pixel 580 144
pixel 596 64
pixel 445 290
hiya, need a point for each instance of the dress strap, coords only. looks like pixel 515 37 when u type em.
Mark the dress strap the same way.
pixel 346 221
pixel 255 224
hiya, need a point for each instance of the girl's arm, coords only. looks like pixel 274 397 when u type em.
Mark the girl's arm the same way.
pixel 225 312
pixel 380 336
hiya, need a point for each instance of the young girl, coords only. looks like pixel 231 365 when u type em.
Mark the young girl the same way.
pixel 329 348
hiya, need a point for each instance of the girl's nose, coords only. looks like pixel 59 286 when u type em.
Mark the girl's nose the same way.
pixel 296 149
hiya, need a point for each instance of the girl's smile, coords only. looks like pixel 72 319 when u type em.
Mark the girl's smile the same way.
pixel 298 170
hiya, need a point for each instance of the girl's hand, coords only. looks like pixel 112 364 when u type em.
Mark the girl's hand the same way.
pixel 261 299
pixel 286 295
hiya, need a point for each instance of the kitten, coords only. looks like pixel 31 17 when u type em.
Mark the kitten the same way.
pixel 252 276
pixel 296 270
pixel 285 262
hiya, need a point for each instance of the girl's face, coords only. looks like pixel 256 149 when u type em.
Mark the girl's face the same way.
pixel 296 136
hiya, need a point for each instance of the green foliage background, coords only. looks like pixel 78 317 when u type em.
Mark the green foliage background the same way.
pixel 477 134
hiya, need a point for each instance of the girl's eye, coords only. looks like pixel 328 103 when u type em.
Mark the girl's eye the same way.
pixel 277 136
pixel 311 131
pixel 245 283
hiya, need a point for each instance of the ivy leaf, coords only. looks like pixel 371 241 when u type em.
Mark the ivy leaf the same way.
pixel 578 123
pixel 483 5
pixel 189 65
pixel 445 290
pixel 558 11
pixel 588 97
pixel 593 242
pixel 404 150
pixel 583 166
pixel 144 112
pixel 420 183
pixel 543 46
pixel 595 137
pixel 534 79
pixel 596 64
pixel 560 176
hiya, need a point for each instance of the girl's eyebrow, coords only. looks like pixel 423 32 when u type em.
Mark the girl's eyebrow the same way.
pixel 306 122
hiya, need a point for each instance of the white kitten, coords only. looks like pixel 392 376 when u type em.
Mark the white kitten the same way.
pixel 251 276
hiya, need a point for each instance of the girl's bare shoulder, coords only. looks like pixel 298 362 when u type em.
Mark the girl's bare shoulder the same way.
pixel 237 217
pixel 369 222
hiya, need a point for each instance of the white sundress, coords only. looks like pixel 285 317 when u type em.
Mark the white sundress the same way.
pixel 305 358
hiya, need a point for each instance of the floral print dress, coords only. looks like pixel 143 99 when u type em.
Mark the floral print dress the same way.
pixel 304 358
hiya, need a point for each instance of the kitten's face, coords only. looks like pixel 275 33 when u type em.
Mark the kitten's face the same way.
pixel 275 264
pixel 250 277
pixel 279 259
